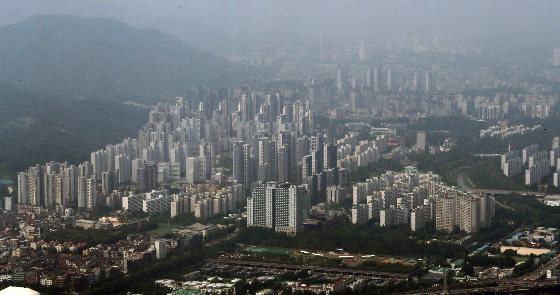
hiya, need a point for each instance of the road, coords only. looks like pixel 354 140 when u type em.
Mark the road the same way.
pixel 461 182
pixel 552 264
pixel 504 192
pixel 523 285
pixel 504 287
pixel 463 185
pixel 215 241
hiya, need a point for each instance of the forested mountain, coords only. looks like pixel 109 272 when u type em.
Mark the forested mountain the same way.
pixel 104 58
pixel 64 81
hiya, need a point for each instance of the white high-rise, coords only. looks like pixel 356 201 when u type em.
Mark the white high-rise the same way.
pixel 161 249
pixel 279 206
pixel 362 50
pixel 556 57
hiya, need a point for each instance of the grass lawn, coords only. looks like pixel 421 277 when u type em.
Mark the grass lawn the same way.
pixel 160 231
pixel 520 258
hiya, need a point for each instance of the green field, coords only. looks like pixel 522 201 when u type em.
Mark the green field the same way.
pixel 160 231
pixel 269 250
pixel 520 258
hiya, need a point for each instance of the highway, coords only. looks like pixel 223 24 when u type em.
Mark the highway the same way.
pixel 504 287
pixel 552 264
pixel 523 285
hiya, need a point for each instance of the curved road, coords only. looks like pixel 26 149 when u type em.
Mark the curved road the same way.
pixel 461 183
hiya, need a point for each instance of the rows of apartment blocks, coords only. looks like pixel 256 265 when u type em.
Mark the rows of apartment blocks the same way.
pixel 285 157
pixel 171 147
pixel 255 114
pixel 539 164
pixel 282 157
pixel 202 205
pixel 485 108
pixel 394 193
pixel 213 122
pixel 172 126
pixel 177 143
pixel 503 130
pixel 67 185
pixel 416 199
pixel 411 105
pixel 88 194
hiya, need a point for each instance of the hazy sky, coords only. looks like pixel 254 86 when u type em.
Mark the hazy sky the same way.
pixel 259 21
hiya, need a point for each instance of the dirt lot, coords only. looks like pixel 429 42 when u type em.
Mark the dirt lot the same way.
pixel 525 250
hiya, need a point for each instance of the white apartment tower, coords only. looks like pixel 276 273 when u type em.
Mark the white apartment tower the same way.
pixel 279 206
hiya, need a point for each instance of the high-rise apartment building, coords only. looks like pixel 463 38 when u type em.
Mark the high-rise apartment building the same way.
pixel 556 57
pixel 279 206
pixel 242 163
pixel 362 50
pixel 161 249
pixel 467 212
pixel 421 141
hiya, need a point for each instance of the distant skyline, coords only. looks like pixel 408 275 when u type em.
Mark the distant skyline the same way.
pixel 244 24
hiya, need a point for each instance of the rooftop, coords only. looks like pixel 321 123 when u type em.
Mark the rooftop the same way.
pixel 186 292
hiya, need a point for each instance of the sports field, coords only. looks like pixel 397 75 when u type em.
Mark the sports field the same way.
pixel 525 250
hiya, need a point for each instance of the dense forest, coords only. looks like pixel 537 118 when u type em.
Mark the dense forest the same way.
pixel 36 129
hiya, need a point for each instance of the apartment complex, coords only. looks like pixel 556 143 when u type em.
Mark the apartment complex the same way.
pixel 282 207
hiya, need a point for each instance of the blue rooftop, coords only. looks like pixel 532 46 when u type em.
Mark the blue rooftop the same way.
pixel 482 248
pixel 517 235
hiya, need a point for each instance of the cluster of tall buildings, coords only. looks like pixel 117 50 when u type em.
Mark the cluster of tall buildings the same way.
pixel 387 80
pixel 503 131
pixel 353 154
pixel 512 163
pixel 58 184
pixel 375 91
pixel 538 168
pixel 417 198
pixel 314 161
pixel 537 164
pixel 286 157
pixel 202 205
pixel 528 105
pixel 394 198
pixel 179 143
pixel 466 211
pixel 270 114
